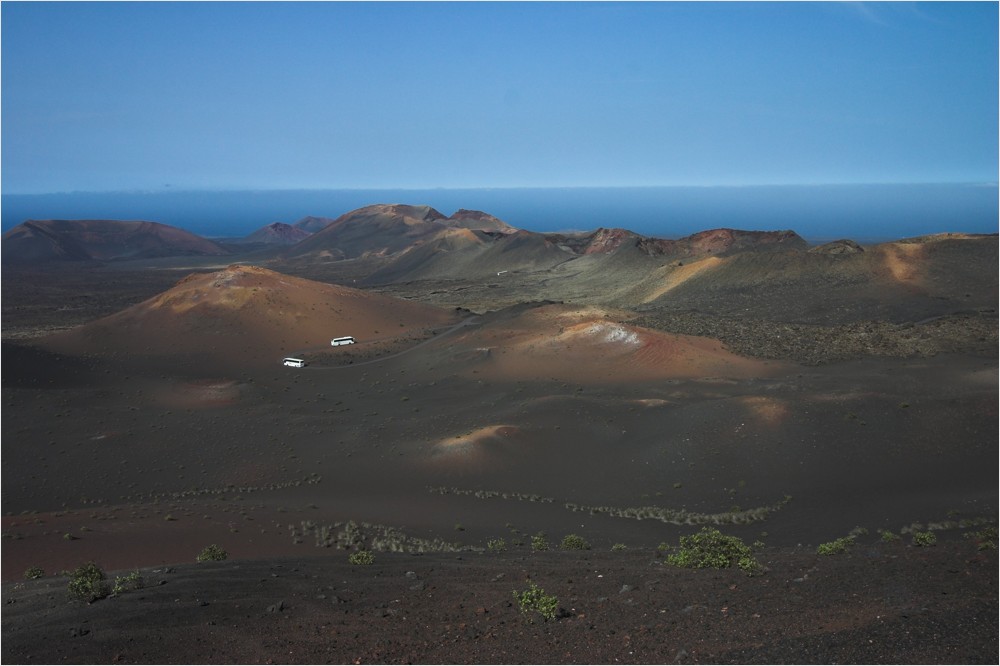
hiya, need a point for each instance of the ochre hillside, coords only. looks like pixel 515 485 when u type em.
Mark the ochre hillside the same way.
pixel 249 315
pixel 381 229
pixel 592 345
pixel 477 219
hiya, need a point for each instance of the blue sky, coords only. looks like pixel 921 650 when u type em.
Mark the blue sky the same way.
pixel 122 96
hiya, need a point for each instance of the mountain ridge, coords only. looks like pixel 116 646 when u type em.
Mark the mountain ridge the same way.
pixel 41 241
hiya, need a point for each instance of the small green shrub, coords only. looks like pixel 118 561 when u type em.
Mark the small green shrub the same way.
pixel 539 542
pixel 835 547
pixel 574 542
pixel 711 548
pixel 496 545
pixel 132 581
pixel 924 539
pixel 87 583
pixel 986 538
pixel 887 536
pixel 212 553
pixel 33 573
pixel 618 547
pixel 535 599
pixel 362 557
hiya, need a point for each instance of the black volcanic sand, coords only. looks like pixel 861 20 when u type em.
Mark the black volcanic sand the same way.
pixel 886 603
pixel 136 463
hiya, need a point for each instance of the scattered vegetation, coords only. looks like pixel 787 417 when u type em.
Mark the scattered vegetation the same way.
pixel 711 548
pixel 887 536
pixel 924 539
pixel 736 516
pixel 618 547
pixel 308 480
pixel 131 581
pixel 362 557
pixel 87 583
pixel 534 599
pixel 986 538
pixel 212 553
pixel 382 538
pixel 33 573
pixel 539 542
pixel 964 523
pixel 835 547
pixel 490 494
pixel 574 542
pixel 496 545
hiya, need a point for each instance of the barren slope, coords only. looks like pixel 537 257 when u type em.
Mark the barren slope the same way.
pixel 248 315
pixel 595 345
pixel 460 254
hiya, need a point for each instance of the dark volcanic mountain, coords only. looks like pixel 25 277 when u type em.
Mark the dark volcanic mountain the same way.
pixel 379 230
pixel 278 233
pixel 313 224
pixel 418 242
pixel 713 241
pixel 719 241
pixel 613 256
pixel 37 241
pixel 467 254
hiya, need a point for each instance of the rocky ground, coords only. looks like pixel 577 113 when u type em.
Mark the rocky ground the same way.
pixel 878 603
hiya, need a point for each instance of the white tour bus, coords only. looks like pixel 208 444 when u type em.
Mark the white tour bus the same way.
pixel 294 362
pixel 346 340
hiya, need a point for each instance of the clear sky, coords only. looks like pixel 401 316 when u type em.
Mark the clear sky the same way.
pixel 195 95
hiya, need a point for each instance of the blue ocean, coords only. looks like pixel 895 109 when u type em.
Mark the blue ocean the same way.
pixel 866 213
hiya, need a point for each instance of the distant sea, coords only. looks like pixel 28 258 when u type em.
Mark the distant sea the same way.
pixel 865 213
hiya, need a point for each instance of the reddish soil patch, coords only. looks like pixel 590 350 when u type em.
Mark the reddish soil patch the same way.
pixel 587 344
pixel 201 393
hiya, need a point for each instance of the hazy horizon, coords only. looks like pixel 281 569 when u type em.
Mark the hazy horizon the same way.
pixel 869 212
